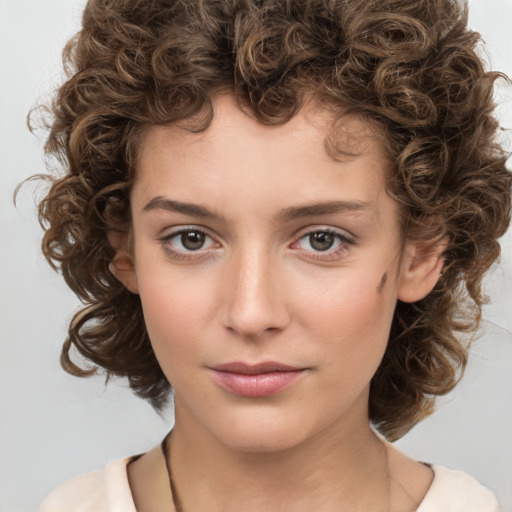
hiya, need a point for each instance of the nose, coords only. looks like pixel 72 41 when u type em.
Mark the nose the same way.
pixel 255 295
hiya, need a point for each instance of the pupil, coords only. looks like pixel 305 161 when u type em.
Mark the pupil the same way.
pixel 321 241
pixel 192 240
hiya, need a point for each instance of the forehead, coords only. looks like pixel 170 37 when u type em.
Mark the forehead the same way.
pixel 319 131
pixel 312 157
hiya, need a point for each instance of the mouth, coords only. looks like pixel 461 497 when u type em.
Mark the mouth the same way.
pixel 259 380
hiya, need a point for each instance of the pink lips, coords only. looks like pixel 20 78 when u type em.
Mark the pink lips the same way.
pixel 258 380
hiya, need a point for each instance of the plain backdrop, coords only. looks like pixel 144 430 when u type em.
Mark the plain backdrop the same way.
pixel 54 426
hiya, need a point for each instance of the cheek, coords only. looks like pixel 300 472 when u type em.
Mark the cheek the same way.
pixel 352 301
pixel 351 319
pixel 175 312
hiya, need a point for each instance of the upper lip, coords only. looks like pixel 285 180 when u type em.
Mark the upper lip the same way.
pixel 254 369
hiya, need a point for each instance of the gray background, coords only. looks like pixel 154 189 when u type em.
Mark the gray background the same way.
pixel 54 426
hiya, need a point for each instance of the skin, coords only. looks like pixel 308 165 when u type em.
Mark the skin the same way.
pixel 259 289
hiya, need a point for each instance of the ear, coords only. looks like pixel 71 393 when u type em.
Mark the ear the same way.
pixel 122 265
pixel 420 269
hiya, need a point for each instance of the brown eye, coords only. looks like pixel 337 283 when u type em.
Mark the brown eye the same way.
pixel 192 240
pixel 324 244
pixel 321 241
pixel 189 243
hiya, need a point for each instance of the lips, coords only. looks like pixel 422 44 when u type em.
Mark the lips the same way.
pixel 260 380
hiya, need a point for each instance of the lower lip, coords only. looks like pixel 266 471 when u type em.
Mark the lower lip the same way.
pixel 263 384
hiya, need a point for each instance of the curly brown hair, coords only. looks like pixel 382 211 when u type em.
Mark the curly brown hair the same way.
pixel 410 67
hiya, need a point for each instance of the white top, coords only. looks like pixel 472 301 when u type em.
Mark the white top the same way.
pixel 109 491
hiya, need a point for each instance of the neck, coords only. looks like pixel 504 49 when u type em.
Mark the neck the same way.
pixel 332 471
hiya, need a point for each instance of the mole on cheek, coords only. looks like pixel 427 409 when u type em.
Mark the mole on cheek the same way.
pixel 382 282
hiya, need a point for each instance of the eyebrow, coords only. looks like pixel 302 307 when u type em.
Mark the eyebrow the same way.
pixel 323 208
pixel 287 214
pixel 194 210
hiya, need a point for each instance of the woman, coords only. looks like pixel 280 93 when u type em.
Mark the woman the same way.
pixel 284 211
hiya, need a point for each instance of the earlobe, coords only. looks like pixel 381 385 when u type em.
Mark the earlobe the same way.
pixel 122 265
pixel 421 267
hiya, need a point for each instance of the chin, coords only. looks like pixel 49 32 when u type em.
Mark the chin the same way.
pixel 260 443
pixel 261 434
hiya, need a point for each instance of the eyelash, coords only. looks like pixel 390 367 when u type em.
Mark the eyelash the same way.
pixel 344 241
pixel 184 255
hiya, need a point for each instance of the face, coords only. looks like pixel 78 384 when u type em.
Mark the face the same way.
pixel 268 274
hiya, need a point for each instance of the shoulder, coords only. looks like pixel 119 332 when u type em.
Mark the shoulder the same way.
pixel 455 491
pixel 100 491
pixel 83 493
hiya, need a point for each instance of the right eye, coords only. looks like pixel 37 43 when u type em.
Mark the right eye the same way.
pixel 185 243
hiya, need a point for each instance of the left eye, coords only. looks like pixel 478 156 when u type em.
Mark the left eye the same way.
pixel 322 241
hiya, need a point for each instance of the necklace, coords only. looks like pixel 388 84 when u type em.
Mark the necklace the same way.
pixel 175 498
pixel 179 507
